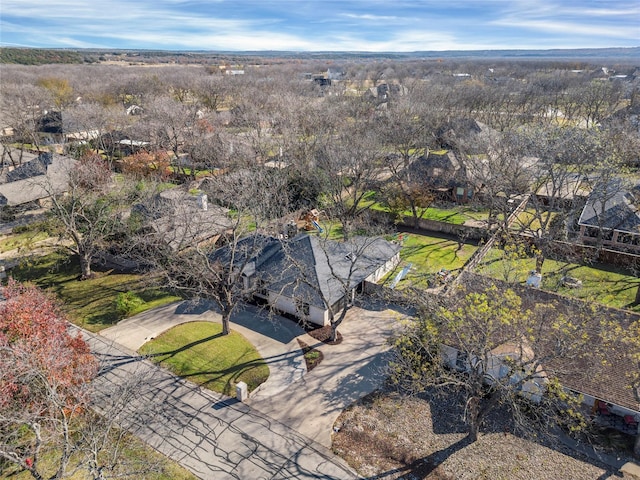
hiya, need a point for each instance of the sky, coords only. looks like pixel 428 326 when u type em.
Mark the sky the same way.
pixel 320 25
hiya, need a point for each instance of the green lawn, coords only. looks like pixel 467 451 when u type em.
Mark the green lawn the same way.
pixel 529 220
pixel 21 240
pixel 456 215
pixel 199 352
pixel 89 303
pixel 428 255
pixel 600 283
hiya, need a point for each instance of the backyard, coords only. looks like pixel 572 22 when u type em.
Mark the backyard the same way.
pixel 605 284
pixel 449 212
pixel 428 255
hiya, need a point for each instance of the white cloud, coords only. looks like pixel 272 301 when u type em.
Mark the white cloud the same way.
pixel 370 17
pixel 570 29
pixel 183 24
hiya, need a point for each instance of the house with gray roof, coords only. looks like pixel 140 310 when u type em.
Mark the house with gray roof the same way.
pixel 36 180
pixel 182 219
pixel 611 217
pixel 309 277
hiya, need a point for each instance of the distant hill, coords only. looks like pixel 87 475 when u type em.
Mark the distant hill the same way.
pixel 39 56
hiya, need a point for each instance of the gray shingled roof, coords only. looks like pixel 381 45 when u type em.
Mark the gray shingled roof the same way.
pixel 56 180
pixel 612 208
pixel 309 268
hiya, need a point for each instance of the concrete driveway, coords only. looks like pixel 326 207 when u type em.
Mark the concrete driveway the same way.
pixel 349 371
pixel 310 402
pixel 273 336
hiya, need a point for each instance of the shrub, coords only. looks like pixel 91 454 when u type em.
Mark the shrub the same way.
pixel 127 302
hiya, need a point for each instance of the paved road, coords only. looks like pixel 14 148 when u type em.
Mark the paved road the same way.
pixel 212 435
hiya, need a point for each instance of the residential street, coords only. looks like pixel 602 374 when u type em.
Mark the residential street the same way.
pixel 213 436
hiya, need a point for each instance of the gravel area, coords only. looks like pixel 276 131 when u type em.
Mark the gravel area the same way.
pixel 388 436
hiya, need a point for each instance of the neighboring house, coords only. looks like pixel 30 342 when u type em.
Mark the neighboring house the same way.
pixel 610 217
pixel 336 74
pixel 498 368
pixel 566 191
pixel 444 174
pixel 58 128
pixel 385 90
pixel 306 275
pixel 606 388
pixel 184 220
pixel 14 157
pixel 36 180
pixel 607 393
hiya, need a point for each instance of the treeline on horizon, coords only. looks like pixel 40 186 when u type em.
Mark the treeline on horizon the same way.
pixel 43 56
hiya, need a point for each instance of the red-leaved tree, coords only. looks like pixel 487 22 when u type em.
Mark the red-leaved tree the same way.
pixel 44 374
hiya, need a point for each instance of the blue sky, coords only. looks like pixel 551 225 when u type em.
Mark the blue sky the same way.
pixel 315 25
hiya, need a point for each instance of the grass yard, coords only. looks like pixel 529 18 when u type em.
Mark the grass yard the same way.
pixel 21 240
pixel 90 304
pixel 456 214
pixel 134 449
pixel 601 283
pixel 528 221
pixel 428 255
pixel 200 353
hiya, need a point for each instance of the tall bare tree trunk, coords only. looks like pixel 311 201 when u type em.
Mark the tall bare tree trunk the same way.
pixel 226 322
pixel 473 418
pixel 85 266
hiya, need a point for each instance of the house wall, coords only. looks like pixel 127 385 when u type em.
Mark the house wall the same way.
pixel 611 239
pixel 384 269
pixel 530 389
pixel 590 401
pixel 533 390
pixel 449 355
pixel 288 305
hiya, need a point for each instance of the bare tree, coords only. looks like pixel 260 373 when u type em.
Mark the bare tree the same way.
pixel 503 349
pixel 204 254
pixel 89 210
pixel 350 167
pixel 408 136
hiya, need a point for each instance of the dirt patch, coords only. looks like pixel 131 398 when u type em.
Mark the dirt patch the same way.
pixel 323 334
pixel 391 436
pixel 312 356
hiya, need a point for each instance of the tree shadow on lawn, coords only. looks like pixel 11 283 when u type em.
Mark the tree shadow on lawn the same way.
pixel 173 353
pixel 239 372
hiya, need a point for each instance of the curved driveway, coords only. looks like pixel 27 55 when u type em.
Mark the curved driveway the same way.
pixel 211 435
pixel 273 336
pixel 293 412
